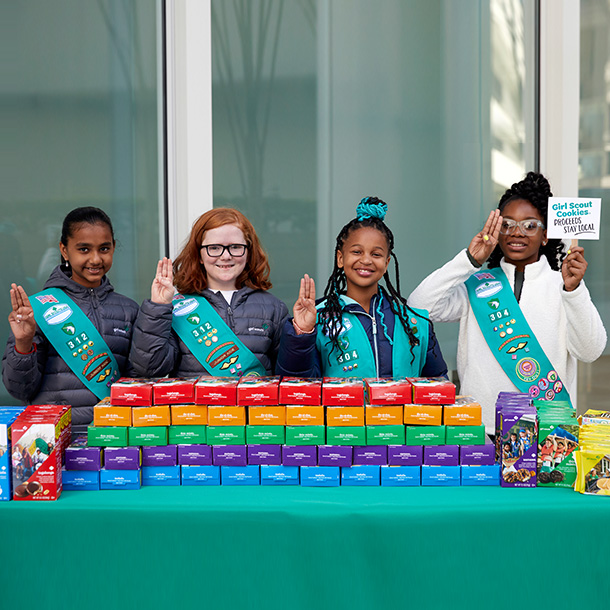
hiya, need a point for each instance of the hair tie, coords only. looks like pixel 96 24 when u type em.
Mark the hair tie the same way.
pixel 371 207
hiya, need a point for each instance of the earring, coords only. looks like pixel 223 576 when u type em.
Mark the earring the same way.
pixel 66 264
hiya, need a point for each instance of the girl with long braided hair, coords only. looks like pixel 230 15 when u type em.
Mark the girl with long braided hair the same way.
pixel 360 328
pixel 528 317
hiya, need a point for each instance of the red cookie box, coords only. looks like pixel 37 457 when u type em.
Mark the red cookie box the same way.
pixel 432 391
pixel 65 421
pixel 216 391
pixel 386 391
pixel 41 434
pixel 258 391
pixel 301 391
pixel 338 391
pixel 174 391
pixel 128 392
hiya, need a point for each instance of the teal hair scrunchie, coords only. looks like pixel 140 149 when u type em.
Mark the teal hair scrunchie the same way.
pixel 371 207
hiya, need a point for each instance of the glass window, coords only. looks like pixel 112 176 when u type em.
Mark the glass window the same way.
pixel 428 104
pixel 80 117
pixel 594 181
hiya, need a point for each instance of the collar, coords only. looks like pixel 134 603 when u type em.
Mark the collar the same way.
pixel 58 279
pixel 238 296
pixel 353 306
pixel 532 271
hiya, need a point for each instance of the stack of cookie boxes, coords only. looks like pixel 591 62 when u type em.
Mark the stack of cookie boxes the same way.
pixel 300 431
pixel 32 444
pixel 7 417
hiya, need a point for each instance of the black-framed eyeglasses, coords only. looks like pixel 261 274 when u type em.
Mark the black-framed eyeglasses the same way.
pixel 528 226
pixel 217 250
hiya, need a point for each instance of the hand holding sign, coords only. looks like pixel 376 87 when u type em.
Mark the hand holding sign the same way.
pixel 573 268
pixel 573 219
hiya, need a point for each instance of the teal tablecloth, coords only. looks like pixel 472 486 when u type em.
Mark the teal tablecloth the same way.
pixel 295 548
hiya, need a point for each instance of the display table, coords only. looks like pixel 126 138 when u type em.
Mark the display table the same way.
pixel 292 547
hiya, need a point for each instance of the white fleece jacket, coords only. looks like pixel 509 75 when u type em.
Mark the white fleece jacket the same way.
pixel 566 324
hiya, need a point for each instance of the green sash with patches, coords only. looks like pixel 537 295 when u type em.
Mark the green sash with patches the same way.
pixel 210 340
pixel 76 340
pixel 510 337
pixel 356 357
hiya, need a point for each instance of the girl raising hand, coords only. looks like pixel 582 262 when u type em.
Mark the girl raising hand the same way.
pixel 360 328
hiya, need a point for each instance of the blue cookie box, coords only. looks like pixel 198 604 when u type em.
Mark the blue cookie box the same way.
pixel 400 476
pixel 240 475
pixel 320 476
pixel 80 480
pixel 161 475
pixel 200 475
pixel 444 476
pixel 279 475
pixel 481 475
pixel 120 479
pixel 364 475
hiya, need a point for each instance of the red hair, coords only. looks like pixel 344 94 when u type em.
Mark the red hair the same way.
pixel 189 273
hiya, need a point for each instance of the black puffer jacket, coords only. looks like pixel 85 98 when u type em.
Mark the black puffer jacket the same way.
pixel 255 316
pixel 42 377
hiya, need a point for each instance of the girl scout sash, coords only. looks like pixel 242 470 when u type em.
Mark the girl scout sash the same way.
pixel 210 340
pixel 355 357
pixel 78 343
pixel 510 337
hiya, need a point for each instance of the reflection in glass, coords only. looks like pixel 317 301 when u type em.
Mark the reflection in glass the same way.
pixel 594 181
pixel 79 119
pixel 427 104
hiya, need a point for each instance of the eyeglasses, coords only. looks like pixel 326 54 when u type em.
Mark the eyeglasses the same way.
pixel 217 250
pixel 528 227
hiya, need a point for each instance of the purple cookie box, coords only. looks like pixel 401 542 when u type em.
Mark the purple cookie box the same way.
pixel 405 455
pixel 83 458
pixel 195 455
pixel 265 455
pixel 371 455
pixel 478 455
pixel 442 455
pixel 164 455
pixel 299 455
pixel 230 455
pixel 335 455
pixel 122 458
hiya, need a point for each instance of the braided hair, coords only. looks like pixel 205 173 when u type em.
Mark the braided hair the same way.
pixel 370 213
pixel 535 189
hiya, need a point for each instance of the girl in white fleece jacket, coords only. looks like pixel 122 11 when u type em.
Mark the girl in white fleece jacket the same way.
pixel 547 283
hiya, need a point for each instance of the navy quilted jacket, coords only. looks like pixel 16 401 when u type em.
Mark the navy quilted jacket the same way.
pixel 42 377
pixel 255 316
pixel 299 356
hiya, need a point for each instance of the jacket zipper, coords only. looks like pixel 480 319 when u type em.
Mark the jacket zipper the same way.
pixel 375 346
pixel 94 304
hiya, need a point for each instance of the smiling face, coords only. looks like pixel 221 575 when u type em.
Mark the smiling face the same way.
pixel 223 271
pixel 89 250
pixel 518 248
pixel 364 259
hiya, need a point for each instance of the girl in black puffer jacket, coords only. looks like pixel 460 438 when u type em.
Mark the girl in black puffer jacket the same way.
pixel 223 266
pixel 32 370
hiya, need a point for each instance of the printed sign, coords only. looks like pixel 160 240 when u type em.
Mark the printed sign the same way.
pixel 573 218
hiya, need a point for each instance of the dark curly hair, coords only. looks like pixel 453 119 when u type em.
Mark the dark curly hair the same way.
pixel 330 314
pixel 535 189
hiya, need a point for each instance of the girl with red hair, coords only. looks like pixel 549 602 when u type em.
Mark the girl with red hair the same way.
pixel 223 321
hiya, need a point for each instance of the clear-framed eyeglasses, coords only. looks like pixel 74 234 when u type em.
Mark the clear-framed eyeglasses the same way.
pixel 528 227
pixel 217 250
